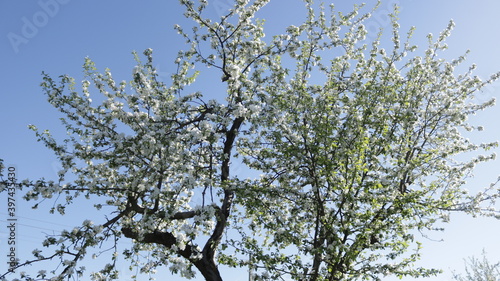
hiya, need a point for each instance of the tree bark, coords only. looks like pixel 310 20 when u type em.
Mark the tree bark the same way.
pixel 206 265
pixel 208 269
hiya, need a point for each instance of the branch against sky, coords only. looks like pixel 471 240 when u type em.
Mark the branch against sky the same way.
pixel 479 270
pixel 355 146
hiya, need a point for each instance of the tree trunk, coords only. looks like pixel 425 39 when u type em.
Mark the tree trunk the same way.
pixel 208 269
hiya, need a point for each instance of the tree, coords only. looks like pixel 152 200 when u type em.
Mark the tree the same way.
pixel 355 146
pixel 479 270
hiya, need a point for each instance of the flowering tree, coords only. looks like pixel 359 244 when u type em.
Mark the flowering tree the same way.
pixel 479 270
pixel 355 146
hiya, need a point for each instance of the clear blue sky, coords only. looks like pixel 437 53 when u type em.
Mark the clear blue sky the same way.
pixel 55 35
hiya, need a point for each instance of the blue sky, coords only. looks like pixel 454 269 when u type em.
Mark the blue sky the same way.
pixel 55 35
